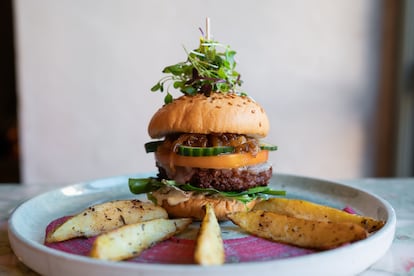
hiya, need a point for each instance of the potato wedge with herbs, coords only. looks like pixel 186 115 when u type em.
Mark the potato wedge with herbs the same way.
pixel 209 249
pixel 130 240
pixel 311 211
pixel 104 217
pixel 319 235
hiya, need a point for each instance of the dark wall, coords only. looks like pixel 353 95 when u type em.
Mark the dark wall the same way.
pixel 9 153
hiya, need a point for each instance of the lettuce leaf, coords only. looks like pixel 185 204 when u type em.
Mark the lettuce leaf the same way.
pixel 146 185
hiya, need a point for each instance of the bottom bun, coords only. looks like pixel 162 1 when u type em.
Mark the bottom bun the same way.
pixel 193 207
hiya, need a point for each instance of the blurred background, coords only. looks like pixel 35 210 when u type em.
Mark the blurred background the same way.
pixel 335 77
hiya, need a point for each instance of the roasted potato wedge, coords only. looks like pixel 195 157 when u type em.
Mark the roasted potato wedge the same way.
pixel 104 217
pixel 130 240
pixel 209 249
pixel 319 235
pixel 311 211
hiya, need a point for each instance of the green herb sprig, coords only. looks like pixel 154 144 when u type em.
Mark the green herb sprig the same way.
pixel 206 69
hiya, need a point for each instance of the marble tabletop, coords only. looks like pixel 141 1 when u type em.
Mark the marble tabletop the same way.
pixel 399 260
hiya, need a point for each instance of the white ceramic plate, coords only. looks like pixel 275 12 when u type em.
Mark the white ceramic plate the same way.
pixel 27 227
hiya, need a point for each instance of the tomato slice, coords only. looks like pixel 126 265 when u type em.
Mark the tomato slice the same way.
pixel 224 161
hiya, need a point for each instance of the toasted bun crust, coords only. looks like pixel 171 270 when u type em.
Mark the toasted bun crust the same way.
pixel 218 113
pixel 194 207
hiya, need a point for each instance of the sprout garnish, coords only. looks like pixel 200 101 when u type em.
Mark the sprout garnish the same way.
pixel 209 68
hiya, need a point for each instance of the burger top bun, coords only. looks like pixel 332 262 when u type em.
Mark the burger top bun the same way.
pixel 218 113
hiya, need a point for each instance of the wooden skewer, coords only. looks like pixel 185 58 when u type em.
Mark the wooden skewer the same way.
pixel 207 28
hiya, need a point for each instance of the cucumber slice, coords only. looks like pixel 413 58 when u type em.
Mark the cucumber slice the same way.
pixel 152 146
pixel 203 151
pixel 267 146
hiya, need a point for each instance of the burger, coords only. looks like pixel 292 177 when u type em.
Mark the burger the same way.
pixel 208 147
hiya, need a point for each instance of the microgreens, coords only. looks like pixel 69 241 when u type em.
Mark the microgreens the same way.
pixel 206 70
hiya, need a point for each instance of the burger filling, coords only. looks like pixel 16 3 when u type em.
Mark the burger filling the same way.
pixel 223 179
pixel 222 165
pixel 240 143
pixel 238 179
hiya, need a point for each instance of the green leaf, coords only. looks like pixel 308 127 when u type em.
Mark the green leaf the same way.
pixel 152 146
pixel 187 71
pixel 189 90
pixel 143 185
pixel 244 196
pixel 168 98
pixel 178 84
pixel 230 58
pixel 156 87
pixel 222 73
pixel 226 65
pixel 174 69
pixel 146 185
pixel 222 86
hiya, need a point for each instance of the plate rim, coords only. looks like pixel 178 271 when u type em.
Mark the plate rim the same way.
pixel 17 240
